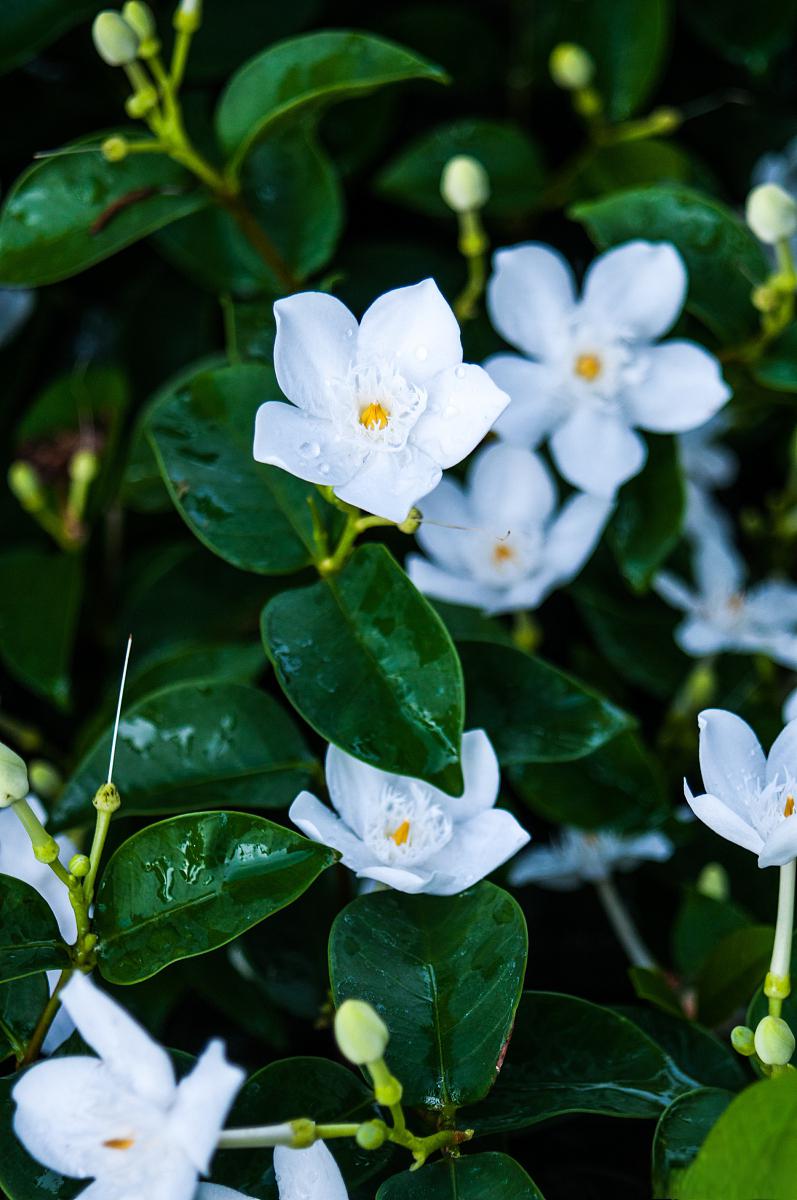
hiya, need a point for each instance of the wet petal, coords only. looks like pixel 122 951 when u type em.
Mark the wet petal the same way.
pixel 315 342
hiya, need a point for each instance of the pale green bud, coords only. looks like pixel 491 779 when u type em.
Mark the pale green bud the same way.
pixel 464 184
pixel 26 485
pixel 139 104
pixel 371 1135
pixel 742 1040
pixel 140 18
pixel 388 1092
pixel 107 798
pixel 79 865
pixel 114 149
pixel 115 41
pixel 771 213
pixel 83 466
pixel 44 779
pixel 571 66
pixel 302 1133
pixel 188 17
pixel 713 882
pixel 774 1041
pixel 360 1032
pixel 13 777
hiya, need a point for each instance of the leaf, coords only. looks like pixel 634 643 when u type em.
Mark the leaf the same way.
pixel 445 973
pixel 473 1177
pixel 751 1150
pixel 777 368
pixel 26 26
pixel 650 983
pixel 21 1003
pixel 256 517
pixel 29 937
pixel 21 1178
pixel 724 260
pixel 732 971
pixel 749 35
pixel 699 926
pixel 70 211
pixel 632 165
pixel 39 606
pixel 194 746
pixel 368 663
pixel 697 1053
pixel 226 662
pixel 511 158
pixel 185 886
pixel 532 711
pixel 681 1130
pixel 299 1087
pixel 570 1056
pixel 302 75
pixel 643 530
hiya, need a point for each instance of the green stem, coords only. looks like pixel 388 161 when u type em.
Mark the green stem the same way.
pixel 778 982
pixel 45 1020
pixel 101 827
pixel 473 246
pixel 45 847
pixel 327 566
pixel 623 926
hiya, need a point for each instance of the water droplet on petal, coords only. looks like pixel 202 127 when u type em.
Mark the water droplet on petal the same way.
pixel 310 449
pixel 460 372
pixel 324 468
pixel 450 410
pixel 422 353
pixel 349 333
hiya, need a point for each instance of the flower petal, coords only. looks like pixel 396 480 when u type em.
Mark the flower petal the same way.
pixel 597 452
pixel 535 407
pixel 674 591
pixel 414 328
pixel 159 1174
pixel 773 603
pixel 389 484
pixel 204 1099
pixel 512 485
pixel 732 762
pixel 441 584
pixel 353 787
pixel 721 819
pixel 462 406
pixel 309 447
pixel 680 388
pixel 215 1191
pixel 445 506
pixel 782 759
pixel 482 777
pixel 310 1174
pixel 781 845
pixel 639 288
pixel 530 297
pixel 573 536
pixel 698 637
pixel 319 824
pixel 479 847
pixel 547 866
pixel 315 342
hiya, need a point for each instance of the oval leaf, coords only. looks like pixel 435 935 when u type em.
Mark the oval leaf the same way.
pixel 473 1177
pixel 29 937
pixel 643 531
pixel 681 1131
pixel 21 1003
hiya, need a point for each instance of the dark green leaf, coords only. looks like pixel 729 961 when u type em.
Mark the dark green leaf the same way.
pixel 750 35
pixel 28 25
pixel 681 1131
pixel 21 1004
pixel 644 530
pixel 732 971
pixel 650 983
pixel 696 1052
pixel 445 973
pixel 700 925
pixel 633 164
pixel 29 937
pixel 188 885
pixel 777 369
pixel 368 663
pixel 474 1177
pixel 227 662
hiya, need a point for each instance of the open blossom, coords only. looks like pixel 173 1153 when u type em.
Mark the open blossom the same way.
pixel 378 411
pixel 122 1119
pixel 499 543
pixel 592 375
pixel 310 1174
pixel 576 857
pixel 749 798
pixel 408 834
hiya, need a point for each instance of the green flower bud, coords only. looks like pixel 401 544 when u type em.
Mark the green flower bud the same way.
pixel 360 1032
pixel 766 298
pixel 107 798
pixel 44 779
pixel 712 882
pixel 26 486
pixel 141 103
pixel 79 865
pixel 742 1040
pixel 46 851
pixel 771 213
pixel 571 66
pixel 13 777
pixel 464 184
pixel 114 149
pixel 303 1131
pixel 774 1041
pixel 388 1092
pixel 188 17
pixel 140 18
pixel 371 1135
pixel 115 41
pixel 83 466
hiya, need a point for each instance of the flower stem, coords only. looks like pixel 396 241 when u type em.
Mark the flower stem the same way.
pixel 45 1020
pixel 473 246
pixel 777 985
pixel 623 926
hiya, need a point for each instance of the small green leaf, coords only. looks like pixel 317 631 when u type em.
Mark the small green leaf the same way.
pixel 29 937
pixel 473 1177
pixel 700 924
pixel 21 1003
pixel 681 1130
pixel 188 885
pixel 194 746
pixel 732 971
pixel 644 530
pixel 368 663
pixel 650 983
pixel 445 973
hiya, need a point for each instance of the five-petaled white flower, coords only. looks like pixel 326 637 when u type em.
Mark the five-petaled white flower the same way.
pixel 408 834
pixel 310 1174
pixel 592 374
pixel 749 798
pixel 378 411
pixel 122 1119
pixel 576 857
pixel 499 543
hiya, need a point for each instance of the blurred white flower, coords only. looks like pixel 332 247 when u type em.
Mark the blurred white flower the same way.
pixel 16 305
pixel 780 168
pixel 408 834
pixel 790 707
pixel 705 461
pixel 510 547
pixel 592 375
pixel 122 1119
pixel 378 411
pixel 575 857
pixel 310 1174
pixel 749 798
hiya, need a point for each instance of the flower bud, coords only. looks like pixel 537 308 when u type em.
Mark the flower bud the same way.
pixel 388 1092
pixel 712 882
pixel 79 865
pixel 742 1040
pixel 140 18
pixel 371 1135
pixel 302 1133
pixel 114 149
pixel 360 1032
pixel 139 104
pixel 771 213
pixel 26 486
pixel 83 466
pixel 44 779
pixel 774 1041
pixel 188 17
pixel 107 798
pixel 571 66
pixel 115 41
pixel 464 184
pixel 13 777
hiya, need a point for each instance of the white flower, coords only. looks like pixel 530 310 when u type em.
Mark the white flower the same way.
pixel 576 857
pixel 705 461
pixel 408 834
pixel 379 410
pixel 749 799
pixel 310 1174
pixel 499 543
pixel 592 374
pixel 122 1119
pixel 722 614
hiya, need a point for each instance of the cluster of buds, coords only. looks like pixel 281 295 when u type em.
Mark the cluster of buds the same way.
pixel 362 1038
pixel 772 1043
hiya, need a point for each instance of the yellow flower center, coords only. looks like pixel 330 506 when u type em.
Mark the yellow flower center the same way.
pixel 502 552
pixel 588 366
pixel 119 1143
pixel 401 835
pixel 374 416
pixel 788 809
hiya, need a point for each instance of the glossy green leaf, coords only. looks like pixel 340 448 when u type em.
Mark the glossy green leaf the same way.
pixel 28 25
pixel 732 971
pixel 446 974
pixel 644 531
pixel 632 165
pixel 185 886
pixel 724 260
pixel 21 1003
pixel 507 152
pixel 194 746
pixel 681 1130
pixel 39 605
pixel 696 1052
pixel 651 984
pixel 368 663
pixel 532 711
pixel 21 1177
pixel 777 368
pixel 701 923
pixel 29 937
pixel 472 1177
pixel 225 662
pixel 568 1056
pixel 256 517
pixel 303 75
pixel 75 209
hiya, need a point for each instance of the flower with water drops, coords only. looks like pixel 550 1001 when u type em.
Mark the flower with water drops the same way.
pixel 309 1174
pixel 576 856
